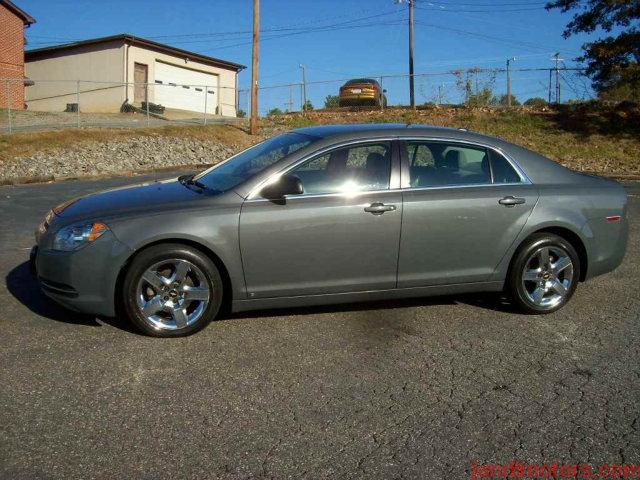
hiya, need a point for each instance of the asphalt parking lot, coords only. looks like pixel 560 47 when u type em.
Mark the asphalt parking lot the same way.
pixel 404 389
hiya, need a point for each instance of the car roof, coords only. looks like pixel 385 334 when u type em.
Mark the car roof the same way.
pixel 361 80
pixel 373 129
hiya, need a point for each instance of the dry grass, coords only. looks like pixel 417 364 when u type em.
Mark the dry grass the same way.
pixel 27 144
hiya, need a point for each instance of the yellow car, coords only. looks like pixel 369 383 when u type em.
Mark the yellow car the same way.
pixel 362 91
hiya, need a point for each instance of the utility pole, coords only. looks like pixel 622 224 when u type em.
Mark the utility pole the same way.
pixel 509 60
pixel 253 125
pixel 557 59
pixel 304 88
pixel 289 104
pixel 411 92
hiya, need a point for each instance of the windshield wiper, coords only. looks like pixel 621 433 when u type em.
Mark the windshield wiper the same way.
pixel 188 180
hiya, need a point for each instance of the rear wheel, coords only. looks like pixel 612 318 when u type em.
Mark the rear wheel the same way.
pixel 171 290
pixel 544 274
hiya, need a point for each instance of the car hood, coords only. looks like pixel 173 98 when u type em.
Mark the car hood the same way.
pixel 144 197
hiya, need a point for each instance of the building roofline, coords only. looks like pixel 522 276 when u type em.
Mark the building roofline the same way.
pixel 37 53
pixel 24 16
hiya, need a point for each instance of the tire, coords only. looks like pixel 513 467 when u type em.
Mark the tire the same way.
pixel 544 274
pixel 171 290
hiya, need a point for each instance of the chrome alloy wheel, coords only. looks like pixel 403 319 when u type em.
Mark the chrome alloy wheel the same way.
pixel 172 294
pixel 547 276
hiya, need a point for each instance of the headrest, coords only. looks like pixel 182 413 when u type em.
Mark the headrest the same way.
pixel 375 161
pixel 452 160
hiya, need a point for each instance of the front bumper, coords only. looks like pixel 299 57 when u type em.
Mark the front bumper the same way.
pixel 83 280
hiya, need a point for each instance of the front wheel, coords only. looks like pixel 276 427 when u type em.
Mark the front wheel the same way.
pixel 544 274
pixel 171 290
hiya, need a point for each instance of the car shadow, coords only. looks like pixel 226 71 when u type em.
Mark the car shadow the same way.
pixel 24 288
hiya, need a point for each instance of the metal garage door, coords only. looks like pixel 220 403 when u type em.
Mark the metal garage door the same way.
pixel 185 89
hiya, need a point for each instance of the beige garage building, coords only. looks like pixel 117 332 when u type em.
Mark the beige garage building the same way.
pixel 123 69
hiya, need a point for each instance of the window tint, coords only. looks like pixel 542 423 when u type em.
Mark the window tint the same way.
pixel 349 169
pixel 244 165
pixel 503 172
pixel 437 164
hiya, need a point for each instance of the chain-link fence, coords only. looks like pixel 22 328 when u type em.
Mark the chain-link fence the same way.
pixel 56 104
pixel 480 87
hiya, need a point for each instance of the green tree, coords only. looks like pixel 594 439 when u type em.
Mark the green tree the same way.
pixel 502 100
pixel 241 114
pixel 273 112
pixel 332 101
pixel 307 106
pixel 476 85
pixel 536 102
pixel 612 61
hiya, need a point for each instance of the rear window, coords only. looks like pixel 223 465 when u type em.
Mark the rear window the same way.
pixel 361 80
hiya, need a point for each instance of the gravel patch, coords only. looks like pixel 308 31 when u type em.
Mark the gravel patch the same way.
pixel 144 153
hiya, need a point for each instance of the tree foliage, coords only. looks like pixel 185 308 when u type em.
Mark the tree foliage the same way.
pixel 332 101
pixel 612 61
pixel 307 106
pixel 536 102
pixel 502 100
pixel 476 85
pixel 274 112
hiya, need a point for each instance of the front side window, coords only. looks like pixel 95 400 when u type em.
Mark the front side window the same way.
pixel 246 164
pixel 349 169
pixel 434 164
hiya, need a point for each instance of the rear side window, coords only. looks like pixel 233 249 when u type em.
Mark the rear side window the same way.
pixel 503 172
pixel 434 164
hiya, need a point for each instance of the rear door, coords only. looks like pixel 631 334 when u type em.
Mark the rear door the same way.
pixel 464 205
pixel 340 236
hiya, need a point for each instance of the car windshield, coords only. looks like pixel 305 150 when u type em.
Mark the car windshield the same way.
pixel 239 168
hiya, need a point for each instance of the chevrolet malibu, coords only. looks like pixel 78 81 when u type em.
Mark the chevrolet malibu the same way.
pixel 334 214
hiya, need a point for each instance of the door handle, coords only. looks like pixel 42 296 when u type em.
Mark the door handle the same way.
pixel 511 201
pixel 379 208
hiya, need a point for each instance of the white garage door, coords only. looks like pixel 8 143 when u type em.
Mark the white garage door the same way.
pixel 184 89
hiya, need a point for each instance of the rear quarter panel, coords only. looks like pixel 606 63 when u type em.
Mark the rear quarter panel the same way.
pixel 581 208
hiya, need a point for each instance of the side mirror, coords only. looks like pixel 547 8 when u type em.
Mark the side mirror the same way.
pixel 286 185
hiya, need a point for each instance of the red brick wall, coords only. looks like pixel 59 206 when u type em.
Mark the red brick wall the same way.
pixel 11 58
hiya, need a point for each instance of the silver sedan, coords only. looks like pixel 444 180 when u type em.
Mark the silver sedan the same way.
pixel 335 214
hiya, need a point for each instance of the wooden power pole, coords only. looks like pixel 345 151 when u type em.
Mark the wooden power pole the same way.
pixel 411 92
pixel 509 60
pixel 253 125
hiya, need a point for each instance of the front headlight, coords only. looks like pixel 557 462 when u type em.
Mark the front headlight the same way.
pixel 75 236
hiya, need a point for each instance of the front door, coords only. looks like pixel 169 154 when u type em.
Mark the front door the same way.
pixel 140 76
pixel 463 208
pixel 340 235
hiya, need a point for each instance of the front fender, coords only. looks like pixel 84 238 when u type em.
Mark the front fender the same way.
pixel 215 230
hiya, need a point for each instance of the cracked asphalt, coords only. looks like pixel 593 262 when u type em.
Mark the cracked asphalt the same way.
pixel 403 389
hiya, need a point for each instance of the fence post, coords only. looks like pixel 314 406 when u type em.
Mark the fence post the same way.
pixel 8 90
pixel 78 103
pixel 146 97
pixel 205 104
pixel 248 101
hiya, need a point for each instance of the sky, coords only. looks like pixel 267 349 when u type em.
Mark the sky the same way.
pixel 339 39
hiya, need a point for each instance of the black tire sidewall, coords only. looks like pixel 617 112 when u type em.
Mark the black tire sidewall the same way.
pixel 155 254
pixel 515 287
